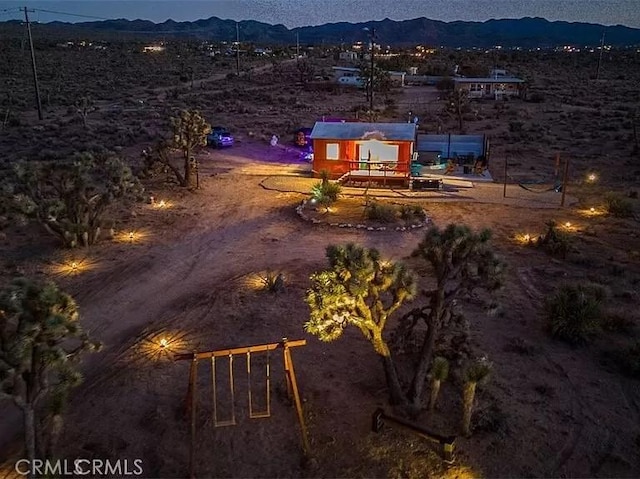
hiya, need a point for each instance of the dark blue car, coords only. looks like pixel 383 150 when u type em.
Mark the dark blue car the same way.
pixel 219 137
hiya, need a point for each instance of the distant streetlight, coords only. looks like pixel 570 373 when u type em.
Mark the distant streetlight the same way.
pixel 372 35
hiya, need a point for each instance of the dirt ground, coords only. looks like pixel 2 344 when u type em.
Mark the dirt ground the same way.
pixel 189 276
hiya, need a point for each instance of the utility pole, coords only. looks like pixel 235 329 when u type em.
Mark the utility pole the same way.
pixel 565 180
pixel 372 36
pixel 237 49
pixel 297 46
pixel 33 64
pixel 600 56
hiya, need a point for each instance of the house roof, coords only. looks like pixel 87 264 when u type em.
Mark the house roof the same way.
pixel 488 80
pixel 356 131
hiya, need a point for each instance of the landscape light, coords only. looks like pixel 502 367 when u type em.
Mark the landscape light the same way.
pixel 74 266
pixel 162 204
pixel 592 209
pixel 568 224
pixel 592 177
pixel 527 238
pixel 131 235
pixel 164 343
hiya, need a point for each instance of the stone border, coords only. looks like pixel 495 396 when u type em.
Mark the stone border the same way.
pixel 300 212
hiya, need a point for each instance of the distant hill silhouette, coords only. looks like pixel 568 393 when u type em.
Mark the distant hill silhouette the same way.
pixel 524 32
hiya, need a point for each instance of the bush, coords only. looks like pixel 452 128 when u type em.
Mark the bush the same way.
pixel 325 192
pixel 380 212
pixel 411 212
pixel 554 241
pixel 629 360
pixel 574 312
pixel 618 206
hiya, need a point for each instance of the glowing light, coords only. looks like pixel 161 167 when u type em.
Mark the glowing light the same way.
pixel 523 238
pixel 131 235
pixel 72 267
pixel 567 224
pixel 163 345
pixel 592 177
pixel 162 204
pixel 592 210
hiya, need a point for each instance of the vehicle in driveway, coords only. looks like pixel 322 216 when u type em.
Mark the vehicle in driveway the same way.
pixel 219 137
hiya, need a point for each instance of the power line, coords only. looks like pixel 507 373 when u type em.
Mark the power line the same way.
pixel 71 14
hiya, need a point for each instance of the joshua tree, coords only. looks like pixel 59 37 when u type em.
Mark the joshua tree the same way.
pixel 84 106
pixel 362 290
pixel 40 341
pixel 71 198
pixel 439 373
pixel 305 70
pixel 476 373
pixel 190 131
pixel 457 103
pixel 461 262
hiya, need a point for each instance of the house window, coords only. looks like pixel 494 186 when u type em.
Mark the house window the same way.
pixel 332 151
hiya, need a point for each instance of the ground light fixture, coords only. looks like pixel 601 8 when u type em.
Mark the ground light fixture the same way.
pixel 72 266
pixel 592 177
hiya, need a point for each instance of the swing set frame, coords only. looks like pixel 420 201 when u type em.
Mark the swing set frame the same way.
pixel 191 402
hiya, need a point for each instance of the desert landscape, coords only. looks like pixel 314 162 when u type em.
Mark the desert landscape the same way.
pixel 179 270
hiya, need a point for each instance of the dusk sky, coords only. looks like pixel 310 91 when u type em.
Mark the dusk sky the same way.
pixel 294 13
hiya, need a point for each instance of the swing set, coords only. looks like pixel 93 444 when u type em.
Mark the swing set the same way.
pixel 215 358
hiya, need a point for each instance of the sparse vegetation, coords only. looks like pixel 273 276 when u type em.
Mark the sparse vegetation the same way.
pixel 574 312
pixel 619 206
pixel 71 198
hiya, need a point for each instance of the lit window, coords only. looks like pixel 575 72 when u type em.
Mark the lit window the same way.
pixel 332 151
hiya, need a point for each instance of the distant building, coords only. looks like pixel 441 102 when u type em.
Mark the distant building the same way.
pixel 153 48
pixel 351 76
pixel 497 88
pixel 348 56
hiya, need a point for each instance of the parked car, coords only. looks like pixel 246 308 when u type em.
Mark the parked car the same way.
pixel 219 137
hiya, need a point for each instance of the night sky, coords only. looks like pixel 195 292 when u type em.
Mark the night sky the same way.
pixel 294 13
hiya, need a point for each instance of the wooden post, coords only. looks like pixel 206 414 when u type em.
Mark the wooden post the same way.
pixel 565 179
pixel 193 375
pixel 291 375
pixel 504 189
pixel 557 168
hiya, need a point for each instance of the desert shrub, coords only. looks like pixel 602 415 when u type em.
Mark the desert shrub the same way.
pixel 618 206
pixel 628 360
pixel 412 212
pixel 325 192
pixel 380 212
pixel 272 282
pixel 554 241
pixel 574 312
pixel 617 321
pixel 516 126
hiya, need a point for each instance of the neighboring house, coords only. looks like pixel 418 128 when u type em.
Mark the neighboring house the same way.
pixel 340 73
pixel 370 150
pixel 489 87
pixel 348 56
pixel 153 48
pixel 352 81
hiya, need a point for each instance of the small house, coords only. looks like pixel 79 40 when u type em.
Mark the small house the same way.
pixel 375 151
pixel 497 88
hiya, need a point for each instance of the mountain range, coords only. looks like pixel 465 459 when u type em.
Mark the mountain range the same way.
pixel 524 32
